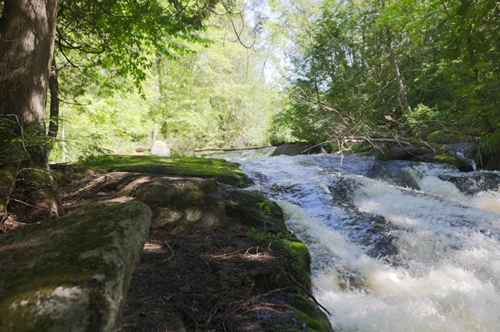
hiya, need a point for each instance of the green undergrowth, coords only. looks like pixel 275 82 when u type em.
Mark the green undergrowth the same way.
pixel 223 171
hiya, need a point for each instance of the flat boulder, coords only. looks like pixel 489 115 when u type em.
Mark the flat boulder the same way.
pixel 72 273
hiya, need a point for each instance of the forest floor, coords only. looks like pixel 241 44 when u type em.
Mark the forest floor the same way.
pixel 205 279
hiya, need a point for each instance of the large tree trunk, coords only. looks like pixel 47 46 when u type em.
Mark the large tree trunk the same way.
pixel 27 29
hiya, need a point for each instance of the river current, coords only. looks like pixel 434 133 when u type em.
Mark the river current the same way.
pixel 395 246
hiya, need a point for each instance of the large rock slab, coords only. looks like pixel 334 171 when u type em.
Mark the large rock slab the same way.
pixel 71 273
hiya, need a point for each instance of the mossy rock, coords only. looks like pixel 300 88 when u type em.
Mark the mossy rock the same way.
pixel 299 256
pixel 291 271
pixel 186 195
pixel 448 158
pixel 252 209
pixel 309 316
pixel 219 169
pixel 423 153
pixel 71 273
pixel 35 197
pixel 402 152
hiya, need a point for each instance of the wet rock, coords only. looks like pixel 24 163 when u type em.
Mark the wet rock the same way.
pixel 402 152
pixel 473 183
pixel 422 153
pixel 466 149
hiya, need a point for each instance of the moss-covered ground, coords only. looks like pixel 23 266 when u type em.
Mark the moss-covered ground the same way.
pixel 224 171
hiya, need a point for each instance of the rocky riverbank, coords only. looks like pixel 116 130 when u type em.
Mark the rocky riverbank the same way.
pixel 216 257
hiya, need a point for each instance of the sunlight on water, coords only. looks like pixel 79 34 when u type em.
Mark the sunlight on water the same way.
pixel 445 275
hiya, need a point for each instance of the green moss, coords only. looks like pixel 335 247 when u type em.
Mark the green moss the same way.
pixel 61 235
pixel 295 261
pixel 223 171
pixel 7 173
pixel 311 324
pixel 361 147
pixel 303 316
pixel 450 159
pixel 307 324
pixel 64 253
pixel 254 210
pixel 299 255
pixel 284 327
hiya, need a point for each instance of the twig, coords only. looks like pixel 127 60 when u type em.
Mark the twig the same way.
pixel 172 255
pixel 212 314
pixel 308 293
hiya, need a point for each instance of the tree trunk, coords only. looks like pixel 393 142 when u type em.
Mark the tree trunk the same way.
pixel 54 102
pixel 399 76
pixel 27 29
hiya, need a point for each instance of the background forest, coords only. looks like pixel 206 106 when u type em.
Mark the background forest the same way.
pixel 209 91
pixel 287 70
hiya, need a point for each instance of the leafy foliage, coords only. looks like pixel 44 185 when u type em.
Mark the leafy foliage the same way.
pixel 121 35
pixel 344 80
pixel 212 96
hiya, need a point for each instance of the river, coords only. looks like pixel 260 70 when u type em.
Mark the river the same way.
pixel 395 246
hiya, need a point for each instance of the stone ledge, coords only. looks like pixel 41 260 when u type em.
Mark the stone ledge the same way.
pixel 71 273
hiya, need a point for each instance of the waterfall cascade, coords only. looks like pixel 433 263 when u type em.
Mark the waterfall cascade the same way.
pixel 396 246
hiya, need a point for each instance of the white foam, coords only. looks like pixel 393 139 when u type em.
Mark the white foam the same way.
pixel 448 276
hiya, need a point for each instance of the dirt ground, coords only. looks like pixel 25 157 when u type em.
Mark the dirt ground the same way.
pixel 206 279
pixel 201 281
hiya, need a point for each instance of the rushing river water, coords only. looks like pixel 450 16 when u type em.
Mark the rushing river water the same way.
pixel 396 246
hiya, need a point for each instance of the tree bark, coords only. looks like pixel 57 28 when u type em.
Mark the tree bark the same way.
pixel 54 102
pixel 27 29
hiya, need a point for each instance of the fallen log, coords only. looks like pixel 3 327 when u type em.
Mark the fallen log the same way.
pixel 232 149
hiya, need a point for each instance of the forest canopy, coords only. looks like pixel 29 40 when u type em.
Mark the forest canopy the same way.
pixel 236 74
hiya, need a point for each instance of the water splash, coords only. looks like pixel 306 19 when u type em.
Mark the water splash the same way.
pixel 444 271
